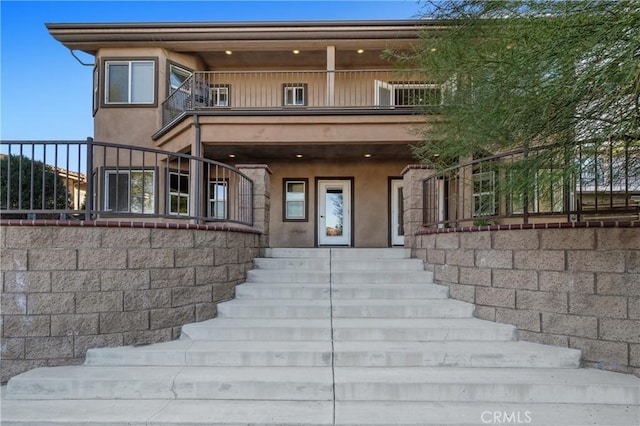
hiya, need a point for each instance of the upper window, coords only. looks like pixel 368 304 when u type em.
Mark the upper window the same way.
pixel 413 94
pixel 177 76
pixel 407 93
pixel 129 82
pixel 294 94
pixel 219 95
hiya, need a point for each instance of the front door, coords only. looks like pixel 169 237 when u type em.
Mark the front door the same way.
pixel 334 212
pixel 397 213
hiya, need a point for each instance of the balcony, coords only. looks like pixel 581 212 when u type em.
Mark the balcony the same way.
pixel 297 92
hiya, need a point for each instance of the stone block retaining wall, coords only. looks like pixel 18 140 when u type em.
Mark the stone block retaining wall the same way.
pixel 66 289
pixel 576 287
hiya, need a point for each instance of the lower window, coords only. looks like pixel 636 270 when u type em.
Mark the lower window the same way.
pixel 130 191
pixel 179 193
pixel 295 199
pixel 218 196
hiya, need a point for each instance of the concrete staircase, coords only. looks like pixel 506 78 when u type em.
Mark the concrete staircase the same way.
pixel 330 336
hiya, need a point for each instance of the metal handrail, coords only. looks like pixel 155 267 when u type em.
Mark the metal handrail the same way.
pixel 580 183
pixel 301 90
pixel 92 179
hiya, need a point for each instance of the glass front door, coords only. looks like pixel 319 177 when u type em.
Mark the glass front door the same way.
pixel 334 212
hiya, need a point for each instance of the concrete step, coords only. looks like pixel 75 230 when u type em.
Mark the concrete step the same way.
pixel 275 308
pixel 293 263
pixel 358 254
pixel 377 265
pixel 453 354
pixel 280 276
pixel 311 413
pixel 369 413
pixel 222 353
pixel 298 252
pixel 250 383
pixel 389 291
pixel 283 291
pixel 162 412
pixel 382 277
pixel 258 329
pixel 521 385
pixel 402 329
pixel 401 308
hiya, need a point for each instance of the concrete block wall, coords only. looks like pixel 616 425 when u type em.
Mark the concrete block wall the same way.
pixel 66 289
pixel 573 286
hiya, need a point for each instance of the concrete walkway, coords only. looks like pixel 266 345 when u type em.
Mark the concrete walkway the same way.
pixel 330 336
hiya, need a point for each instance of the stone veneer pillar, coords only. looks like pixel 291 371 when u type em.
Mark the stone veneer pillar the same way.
pixel 413 175
pixel 260 175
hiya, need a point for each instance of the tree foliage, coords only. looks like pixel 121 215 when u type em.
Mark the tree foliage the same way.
pixel 529 73
pixel 27 184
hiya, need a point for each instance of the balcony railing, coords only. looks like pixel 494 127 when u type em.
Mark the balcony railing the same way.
pixel 291 90
pixel 91 180
pixel 534 185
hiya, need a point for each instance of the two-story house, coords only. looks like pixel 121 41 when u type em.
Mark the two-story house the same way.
pixel 317 102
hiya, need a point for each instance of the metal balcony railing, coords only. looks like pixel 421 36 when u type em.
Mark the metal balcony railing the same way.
pixel 291 90
pixel 91 180
pixel 581 183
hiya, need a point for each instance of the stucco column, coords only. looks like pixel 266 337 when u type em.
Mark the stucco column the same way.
pixel 260 174
pixel 331 75
pixel 412 191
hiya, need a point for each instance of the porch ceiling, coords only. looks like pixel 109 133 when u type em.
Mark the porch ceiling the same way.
pixel 315 59
pixel 345 152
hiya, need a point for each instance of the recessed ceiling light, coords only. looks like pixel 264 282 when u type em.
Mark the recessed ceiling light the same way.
pixel 228 52
pixel 360 50
pixel 232 156
pixel 298 155
pixel 367 155
pixel 296 51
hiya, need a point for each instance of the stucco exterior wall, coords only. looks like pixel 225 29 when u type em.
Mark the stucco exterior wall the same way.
pixel 66 289
pixel 574 287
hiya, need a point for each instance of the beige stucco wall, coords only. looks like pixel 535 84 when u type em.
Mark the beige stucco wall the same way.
pixel 370 200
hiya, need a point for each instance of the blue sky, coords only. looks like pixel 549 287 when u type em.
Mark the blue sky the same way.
pixel 40 78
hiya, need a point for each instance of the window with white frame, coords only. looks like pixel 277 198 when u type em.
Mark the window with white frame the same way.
pixel 407 93
pixel 219 95
pixel 177 76
pixel 484 194
pixel 129 82
pixel 295 199
pixel 130 191
pixel 414 94
pixel 218 197
pixel 179 193
pixel 294 94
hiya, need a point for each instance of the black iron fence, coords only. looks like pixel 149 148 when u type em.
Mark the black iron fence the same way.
pixel 90 179
pixel 581 183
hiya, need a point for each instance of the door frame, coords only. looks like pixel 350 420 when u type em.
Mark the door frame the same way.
pixel 391 208
pixel 316 216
